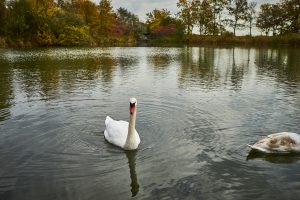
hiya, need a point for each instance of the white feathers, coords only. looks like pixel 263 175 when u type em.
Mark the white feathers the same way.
pixel 122 133
pixel 284 142
pixel 133 100
pixel 116 133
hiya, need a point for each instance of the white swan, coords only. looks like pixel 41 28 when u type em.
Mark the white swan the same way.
pixel 122 134
pixel 284 142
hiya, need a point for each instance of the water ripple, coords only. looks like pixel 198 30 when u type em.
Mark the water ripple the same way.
pixel 197 109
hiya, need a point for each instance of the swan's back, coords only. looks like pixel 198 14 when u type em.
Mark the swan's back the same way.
pixel 283 142
pixel 116 132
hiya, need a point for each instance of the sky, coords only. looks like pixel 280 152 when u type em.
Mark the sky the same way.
pixel 141 7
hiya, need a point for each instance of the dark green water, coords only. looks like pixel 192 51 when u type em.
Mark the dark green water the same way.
pixel 197 110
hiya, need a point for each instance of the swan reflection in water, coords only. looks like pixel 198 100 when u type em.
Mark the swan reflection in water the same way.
pixel 274 158
pixel 131 156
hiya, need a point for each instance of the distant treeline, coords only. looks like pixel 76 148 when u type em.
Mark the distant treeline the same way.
pixel 82 22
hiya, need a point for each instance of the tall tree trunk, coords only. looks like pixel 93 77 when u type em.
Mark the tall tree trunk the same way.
pixel 200 29
pixel 296 24
pixel 250 27
pixel 188 25
pixel 220 23
pixel 235 24
pixel 274 31
pixel 214 32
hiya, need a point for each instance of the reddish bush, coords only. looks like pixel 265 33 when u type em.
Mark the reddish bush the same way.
pixel 167 30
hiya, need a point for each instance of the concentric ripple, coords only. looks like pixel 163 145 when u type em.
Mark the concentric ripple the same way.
pixel 197 110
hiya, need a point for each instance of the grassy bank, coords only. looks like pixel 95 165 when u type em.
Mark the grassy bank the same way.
pixel 194 40
pixel 27 43
pixel 288 40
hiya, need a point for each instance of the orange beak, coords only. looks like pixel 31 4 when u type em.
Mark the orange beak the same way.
pixel 132 108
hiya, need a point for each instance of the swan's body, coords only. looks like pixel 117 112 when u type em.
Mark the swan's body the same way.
pixel 116 132
pixel 122 133
pixel 284 142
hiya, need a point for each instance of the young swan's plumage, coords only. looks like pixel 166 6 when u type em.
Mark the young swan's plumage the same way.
pixel 122 133
pixel 284 142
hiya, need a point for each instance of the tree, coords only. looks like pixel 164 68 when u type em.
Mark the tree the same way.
pixel 126 16
pixel 44 7
pixel 160 23
pixel 251 15
pixel 203 14
pixel 264 18
pixel 218 6
pixel 277 19
pixel 129 22
pixel 292 10
pixel 60 3
pixel 156 17
pixel 73 35
pixel 271 17
pixel 106 17
pixel 185 14
pixel 21 20
pixel 89 11
pixel 2 16
pixel 237 9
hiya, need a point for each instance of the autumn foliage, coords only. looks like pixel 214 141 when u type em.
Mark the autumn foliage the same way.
pixel 59 23
pixel 26 23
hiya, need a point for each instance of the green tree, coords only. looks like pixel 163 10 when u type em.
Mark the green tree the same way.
pixel 60 3
pixel 277 19
pixel 130 23
pixel 237 9
pixel 21 20
pixel 251 15
pixel 292 10
pixel 203 14
pixel 264 18
pixel 218 6
pixel 74 36
pixel 2 16
pixel 185 14
pixel 126 16
pixel 44 8
pixel 61 19
pixel 271 18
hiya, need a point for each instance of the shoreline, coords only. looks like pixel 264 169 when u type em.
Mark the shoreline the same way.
pixel 287 40
pixel 193 40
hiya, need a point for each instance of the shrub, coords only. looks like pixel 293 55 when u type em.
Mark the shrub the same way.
pixel 2 42
pixel 45 38
pixel 74 36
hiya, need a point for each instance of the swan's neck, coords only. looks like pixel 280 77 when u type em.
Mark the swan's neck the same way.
pixel 131 140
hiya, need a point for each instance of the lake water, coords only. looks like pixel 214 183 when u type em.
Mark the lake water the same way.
pixel 198 108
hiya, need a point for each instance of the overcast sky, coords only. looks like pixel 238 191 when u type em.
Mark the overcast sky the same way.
pixel 141 7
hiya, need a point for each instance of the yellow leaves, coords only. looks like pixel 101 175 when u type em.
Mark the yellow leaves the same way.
pixel 45 8
pixel 155 18
pixel 45 38
pixel 73 36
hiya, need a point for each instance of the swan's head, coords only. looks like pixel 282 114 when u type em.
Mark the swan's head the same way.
pixel 133 103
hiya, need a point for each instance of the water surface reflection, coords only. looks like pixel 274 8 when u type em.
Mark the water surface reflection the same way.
pixel 274 158
pixel 131 156
pixel 198 108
